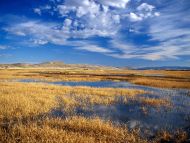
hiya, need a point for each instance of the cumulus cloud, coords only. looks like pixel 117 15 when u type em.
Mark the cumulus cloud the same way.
pixel 81 19
pixel 67 22
pixel 145 7
pixel 142 12
pixel 92 18
pixel 83 7
pixel 114 3
pixel 41 9
pixel 116 18
pixel 37 11
pixel 86 19
pixel 134 17
pixel 97 17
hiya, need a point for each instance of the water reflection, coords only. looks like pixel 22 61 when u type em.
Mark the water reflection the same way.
pixel 134 114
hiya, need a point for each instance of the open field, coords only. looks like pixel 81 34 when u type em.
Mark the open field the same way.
pixel 21 99
pixel 155 78
pixel 24 106
pixel 45 112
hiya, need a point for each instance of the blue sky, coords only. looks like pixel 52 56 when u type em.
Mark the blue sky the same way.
pixel 105 32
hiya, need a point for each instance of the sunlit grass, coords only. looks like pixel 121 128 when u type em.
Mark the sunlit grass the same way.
pixel 71 130
pixel 162 83
pixel 21 99
pixel 154 102
pixel 25 108
pixel 170 79
pixel 177 137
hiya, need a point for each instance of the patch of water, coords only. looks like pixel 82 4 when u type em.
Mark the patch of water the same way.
pixel 111 84
pixel 131 114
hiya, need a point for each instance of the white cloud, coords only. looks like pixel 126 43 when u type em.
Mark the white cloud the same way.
pixel 40 42
pixel 67 22
pixel 93 17
pixel 39 30
pixel 106 18
pixel 83 7
pixel 114 3
pixel 105 8
pixel 134 17
pixel 169 48
pixel 89 8
pixel 116 18
pixel 64 10
pixel 41 9
pixel 157 14
pixel 143 11
pixel 97 17
pixel 94 48
pixel 166 50
pixel 145 7
pixel 20 33
pixel 37 11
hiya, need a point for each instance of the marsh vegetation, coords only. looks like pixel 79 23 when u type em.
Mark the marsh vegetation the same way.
pixel 36 105
pixel 154 78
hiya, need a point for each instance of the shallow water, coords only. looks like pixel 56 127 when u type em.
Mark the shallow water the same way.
pixel 85 83
pixel 131 114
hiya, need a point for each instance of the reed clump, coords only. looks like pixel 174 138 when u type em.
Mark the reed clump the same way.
pixel 155 102
pixel 69 130
pixel 30 99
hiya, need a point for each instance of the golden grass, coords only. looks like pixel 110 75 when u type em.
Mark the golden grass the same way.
pixel 24 108
pixel 162 83
pixel 71 130
pixel 155 102
pixel 177 137
pixel 21 99
pixel 171 79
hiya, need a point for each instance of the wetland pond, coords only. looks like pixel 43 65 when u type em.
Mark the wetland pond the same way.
pixel 156 119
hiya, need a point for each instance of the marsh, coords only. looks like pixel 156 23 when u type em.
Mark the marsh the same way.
pixel 147 113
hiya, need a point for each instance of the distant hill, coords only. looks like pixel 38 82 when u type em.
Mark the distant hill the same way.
pixel 54 64
pixel 22 65
pixel 51 64
pixel 165 68
pixel 26 65
pixel 58 64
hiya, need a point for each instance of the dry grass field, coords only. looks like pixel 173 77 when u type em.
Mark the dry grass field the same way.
pixel 31 99
pixel 168 79
pixel 26 108
pixel 70 130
